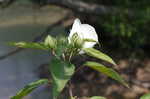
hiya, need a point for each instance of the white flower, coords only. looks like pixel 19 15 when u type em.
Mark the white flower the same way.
pixel 84 31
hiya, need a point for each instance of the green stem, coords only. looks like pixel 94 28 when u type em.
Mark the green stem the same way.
pixel 70 90
pixel 71 54
pixel 63 56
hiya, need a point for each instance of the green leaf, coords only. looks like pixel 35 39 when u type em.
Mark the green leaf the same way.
pixel 97 97
pixel 29 88
pixel 61 72
pixel 51 42
pixel 146 96
pixel 98 54
pixel 29 45
pixel 107 71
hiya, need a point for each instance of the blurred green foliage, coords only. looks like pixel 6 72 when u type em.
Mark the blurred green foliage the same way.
pixel 131 31
pixel 130 27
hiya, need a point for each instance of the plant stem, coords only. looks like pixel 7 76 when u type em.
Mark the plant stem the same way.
pixel 71 54
pixel 63 56
pixel 70 90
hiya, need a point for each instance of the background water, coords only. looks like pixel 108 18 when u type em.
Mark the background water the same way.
pixel 23 23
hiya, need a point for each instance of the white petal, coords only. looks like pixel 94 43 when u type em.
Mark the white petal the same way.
pixel 75 27
pixel 88 31
pixel 84 31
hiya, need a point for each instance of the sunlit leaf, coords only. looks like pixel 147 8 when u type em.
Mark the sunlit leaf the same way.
pixel 29 88
pixel 146 96
pixel 107 71
pixel 98 54
pixel 89 40
pixel 97 97
pixel 73 97
pixel 32 45
pixel 61 72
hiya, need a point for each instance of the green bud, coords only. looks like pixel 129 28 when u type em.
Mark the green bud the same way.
pixel 51 42
pixel 77 41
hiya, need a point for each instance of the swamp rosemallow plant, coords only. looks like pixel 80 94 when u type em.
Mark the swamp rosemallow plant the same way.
pixel 81 40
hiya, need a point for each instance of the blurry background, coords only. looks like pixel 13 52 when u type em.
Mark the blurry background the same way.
pixel 123 29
